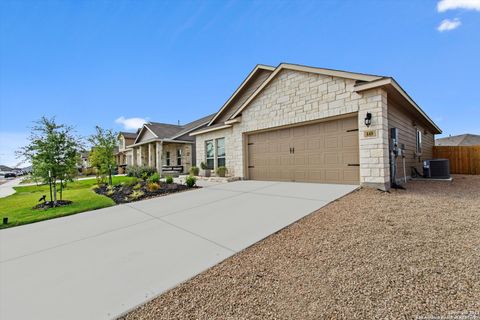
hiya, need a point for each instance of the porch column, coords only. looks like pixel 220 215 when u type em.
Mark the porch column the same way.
pixel 140 155
pixel 134 156
pixel 158 158
pixel 151 155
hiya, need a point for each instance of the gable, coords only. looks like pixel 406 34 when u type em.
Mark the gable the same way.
pixel 145 135
pixel 246 89
pixel 296 96
pixel 306 70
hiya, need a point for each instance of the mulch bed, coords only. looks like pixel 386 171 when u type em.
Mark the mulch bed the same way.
pixel 123 193
pixel 408 254
pixel 49 204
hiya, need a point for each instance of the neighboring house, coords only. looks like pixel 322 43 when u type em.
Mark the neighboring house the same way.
pixel 299 123
pixel 166 147
pixel 460 140
pixel 124 156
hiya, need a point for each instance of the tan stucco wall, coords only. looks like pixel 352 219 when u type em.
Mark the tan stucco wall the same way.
pixel 294 97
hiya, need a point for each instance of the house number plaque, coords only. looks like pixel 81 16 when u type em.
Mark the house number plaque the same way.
pixel 370 133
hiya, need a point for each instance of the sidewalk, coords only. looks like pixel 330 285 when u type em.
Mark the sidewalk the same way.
pixel 6 189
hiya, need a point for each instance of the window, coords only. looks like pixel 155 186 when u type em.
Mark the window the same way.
pixel 179 157
pixel 168 158
pixel 419 142
pixel 209 153
pixel 220 142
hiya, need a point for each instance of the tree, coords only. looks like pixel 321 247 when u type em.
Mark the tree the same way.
pixel 53 151
pixel 102 156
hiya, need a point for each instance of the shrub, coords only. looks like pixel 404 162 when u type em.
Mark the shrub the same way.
pixel 190 181
pixel 194 171
pixel 154 178
pixel 136 194
pixel 221 171
pixel 140 172
pixel 110 192
pixel 152 186
pixel 144 176
pixel 169 179
pixel 203 166
pixel 137 186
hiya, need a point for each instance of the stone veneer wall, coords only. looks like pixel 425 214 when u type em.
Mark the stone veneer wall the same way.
pixel 294 97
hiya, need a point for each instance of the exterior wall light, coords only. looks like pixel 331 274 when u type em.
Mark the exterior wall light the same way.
pixel 368 119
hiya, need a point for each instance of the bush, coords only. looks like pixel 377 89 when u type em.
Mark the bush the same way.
pixel 140 172
pixel 194 171
pixel 152 186
pixel 144 176
pixel 137 186
pixel 221 171
pixel 190 181
pixel 169 179
pixel 203 166
pixel 154 178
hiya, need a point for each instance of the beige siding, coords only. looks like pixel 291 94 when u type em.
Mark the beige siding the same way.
pixel 407 125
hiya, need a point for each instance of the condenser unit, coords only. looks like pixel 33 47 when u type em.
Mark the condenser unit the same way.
pixel 436 169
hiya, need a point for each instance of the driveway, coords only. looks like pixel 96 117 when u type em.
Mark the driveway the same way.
pixel 99 264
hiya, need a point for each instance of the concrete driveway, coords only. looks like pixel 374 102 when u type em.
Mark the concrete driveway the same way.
pixel 99 264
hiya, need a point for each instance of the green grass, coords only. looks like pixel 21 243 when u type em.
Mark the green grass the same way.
pixel 18 207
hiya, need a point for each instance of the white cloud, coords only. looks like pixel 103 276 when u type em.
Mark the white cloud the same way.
pixel 130 123
pixel 445 5
pixel 9 143
pixel 448 24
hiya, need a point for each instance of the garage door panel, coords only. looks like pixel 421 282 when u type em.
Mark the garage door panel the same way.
pixel 331 142
pixel 350 141
pixel 322 152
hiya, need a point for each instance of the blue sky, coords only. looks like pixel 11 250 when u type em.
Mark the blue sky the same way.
pixel 92 62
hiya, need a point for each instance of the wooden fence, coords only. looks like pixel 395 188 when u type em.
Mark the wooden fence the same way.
pixel 463 160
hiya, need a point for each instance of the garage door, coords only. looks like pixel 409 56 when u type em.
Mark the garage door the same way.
pixel 324 152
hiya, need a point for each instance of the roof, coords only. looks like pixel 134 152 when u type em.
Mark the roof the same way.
pixel 364 82
pixel 167 131
pixel 459 140
pixel 128 135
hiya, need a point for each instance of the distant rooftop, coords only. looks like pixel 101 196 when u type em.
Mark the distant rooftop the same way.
pixel 460 140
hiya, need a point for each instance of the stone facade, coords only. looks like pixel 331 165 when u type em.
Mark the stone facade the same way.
pixel 295 97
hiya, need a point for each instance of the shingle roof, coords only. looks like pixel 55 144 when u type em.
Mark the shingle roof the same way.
pixel 131 135
pixel 163 130
pixel 196 124
pixel 173 131
pixel 460 140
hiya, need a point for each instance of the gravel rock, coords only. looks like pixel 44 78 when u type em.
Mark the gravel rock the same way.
pixel 407 254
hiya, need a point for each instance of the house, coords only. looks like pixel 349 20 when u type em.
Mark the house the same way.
pixel 125 154
pixel 300 123
pixel 166 147
pixel 460 140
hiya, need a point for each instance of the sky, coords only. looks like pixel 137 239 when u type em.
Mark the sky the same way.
pixel 119 63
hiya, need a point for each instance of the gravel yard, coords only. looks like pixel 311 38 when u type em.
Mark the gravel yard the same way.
pixel 371 255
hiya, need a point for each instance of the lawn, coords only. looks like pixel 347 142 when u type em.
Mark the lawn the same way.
pixel 18 207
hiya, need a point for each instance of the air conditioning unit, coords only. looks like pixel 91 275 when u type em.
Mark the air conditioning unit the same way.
pixel 436 169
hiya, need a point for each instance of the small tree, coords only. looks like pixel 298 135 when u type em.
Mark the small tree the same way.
pixel 53 152
pixel 102 155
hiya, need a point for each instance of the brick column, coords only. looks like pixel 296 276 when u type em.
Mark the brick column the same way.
pixel 374 150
